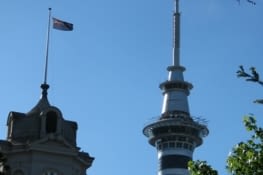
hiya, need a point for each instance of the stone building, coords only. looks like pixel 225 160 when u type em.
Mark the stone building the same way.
pixel 42 142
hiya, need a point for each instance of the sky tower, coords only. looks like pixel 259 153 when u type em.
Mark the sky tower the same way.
pixel 175 134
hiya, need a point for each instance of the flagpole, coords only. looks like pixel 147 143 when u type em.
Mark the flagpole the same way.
pixel 47 47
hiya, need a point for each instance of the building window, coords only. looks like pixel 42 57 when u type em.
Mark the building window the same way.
pixel 51 124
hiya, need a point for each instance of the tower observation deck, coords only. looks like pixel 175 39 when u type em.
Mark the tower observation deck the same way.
pixel 175 134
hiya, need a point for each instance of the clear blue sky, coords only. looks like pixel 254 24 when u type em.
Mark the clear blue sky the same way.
pixel 105 74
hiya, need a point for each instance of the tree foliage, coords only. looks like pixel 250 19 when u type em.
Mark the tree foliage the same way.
pixel 246 158
pixel 251 77
pixel 200 168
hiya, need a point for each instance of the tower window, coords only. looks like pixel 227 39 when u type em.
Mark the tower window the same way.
pixel 179 145
pixel 181 138
pixel 191 141
pixel 51 122
pixel 172 144
pixel 165 145
pixel 185 145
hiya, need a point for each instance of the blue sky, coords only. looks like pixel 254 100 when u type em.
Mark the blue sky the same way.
pixel 105 74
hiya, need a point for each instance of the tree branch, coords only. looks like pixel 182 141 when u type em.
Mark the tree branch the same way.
pixel 252 77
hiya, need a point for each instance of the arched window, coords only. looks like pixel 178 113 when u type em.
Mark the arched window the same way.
pixel 51 122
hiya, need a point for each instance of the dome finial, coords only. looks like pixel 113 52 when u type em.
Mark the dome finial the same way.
pixel 44 88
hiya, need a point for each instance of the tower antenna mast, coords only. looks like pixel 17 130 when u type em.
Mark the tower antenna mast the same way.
pixel 177 5
pixel 176 34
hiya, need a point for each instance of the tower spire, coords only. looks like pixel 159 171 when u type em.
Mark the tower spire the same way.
pixel 175 134
pixel 175 89
pixel 177 5
pixel 176 34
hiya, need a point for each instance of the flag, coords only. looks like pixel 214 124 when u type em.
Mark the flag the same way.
pixel 62 25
